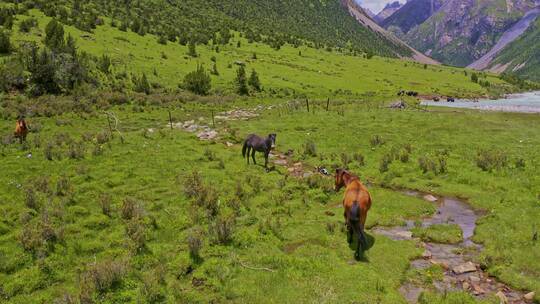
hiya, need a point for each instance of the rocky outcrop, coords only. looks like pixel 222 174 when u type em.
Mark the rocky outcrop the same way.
pixel 363 19
pixel 388 11
pixel 412 14
pixel 462 31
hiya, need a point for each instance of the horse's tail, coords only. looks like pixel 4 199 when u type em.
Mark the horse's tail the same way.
pixel 244 148
pixel 356 222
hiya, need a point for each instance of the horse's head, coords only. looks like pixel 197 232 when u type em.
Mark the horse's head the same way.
pixel 340 179
pixel 272 138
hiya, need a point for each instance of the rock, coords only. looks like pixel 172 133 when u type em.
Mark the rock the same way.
pixel 404 234
pixel 502 297
pixel 465 286
pixel 297 164
pixel 280 162
pixel 430 198
pixel 474 279
pixel 477 289
pixel 426 254
pixel 307 174
pixel 529 296
pixel 207 135
pixel 398 105
pixel 464 268
pixel 290 169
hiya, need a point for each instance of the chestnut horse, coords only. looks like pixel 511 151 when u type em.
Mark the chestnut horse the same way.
pixel 356 204
pixel 21 129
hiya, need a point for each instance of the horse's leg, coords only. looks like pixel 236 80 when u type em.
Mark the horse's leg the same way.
pixel 248 151
pixel 266 158
pixel 349 227
pixel 253 156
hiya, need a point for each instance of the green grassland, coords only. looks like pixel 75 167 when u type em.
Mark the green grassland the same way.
pixel 153 215
pixel 313 73
pixel 442 233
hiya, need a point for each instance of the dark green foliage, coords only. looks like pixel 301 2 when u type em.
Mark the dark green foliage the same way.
pixel 474 77
pixel 104 64
pixel 241 81
pixel 142 85
pixel 26 25
pixel 54 35
pixel 254 81
pixel 214 70
pixel 192 49
pixel 489 160
pixel 5 43
pixel 198 81
pixel 310 149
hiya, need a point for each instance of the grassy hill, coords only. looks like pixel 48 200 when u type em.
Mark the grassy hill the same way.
pixel 288 72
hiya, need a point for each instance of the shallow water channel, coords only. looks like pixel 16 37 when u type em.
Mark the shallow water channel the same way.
pixel 460 273
pixel 528 102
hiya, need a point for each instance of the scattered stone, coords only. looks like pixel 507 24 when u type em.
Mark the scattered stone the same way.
pixel 398 105
pixel 502 297
pixel 464 268
pixel 297 164
pixel 529 296
pixel 207 135
pixel 229 144
pixel 426 255
pixel 478 290
pixel 465 286
pixel 404 234
pixel 474 279
pixel 290 169
pixel 280 162
pixel 430 198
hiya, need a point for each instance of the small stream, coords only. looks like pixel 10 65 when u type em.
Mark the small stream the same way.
pixel 528 102
pixel 460 273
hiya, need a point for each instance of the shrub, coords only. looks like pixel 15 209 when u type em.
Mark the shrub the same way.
pixel 241 81
pixel 223 229
pixel 520 163
pixel 131 209
pixel 151 289
pixel 385 163
pixel 48 151
pixel 427 164
pixel 345 160
pixel 76 150
pixel 136 231
pixel 31 201
pixel 192 49
pixel 193 184
pixel 360 159
pixel 5 43
pixel 103 276
pixel 105 202
pixel 310 149
pixel 376 140
pixel 404 156
pixel 142 85
pixel 198 81
pixel 63 186
pixel 26 25
pixel 254 81
pixel 194 241
pixel 488 160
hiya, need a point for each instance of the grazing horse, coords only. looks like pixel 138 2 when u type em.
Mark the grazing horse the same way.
pixel 21 129
pixel 255 143
pixel 450 99
pixel 356 204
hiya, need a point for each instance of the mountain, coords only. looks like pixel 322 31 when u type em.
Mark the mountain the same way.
pixel 462 31
pixel 411 14
pixel 361 16
pixel 521 56
pixel 388 11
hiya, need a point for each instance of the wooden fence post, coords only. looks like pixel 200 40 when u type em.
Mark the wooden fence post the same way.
pixel 170 119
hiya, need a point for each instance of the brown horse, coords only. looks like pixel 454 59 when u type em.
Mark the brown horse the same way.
pixel 356 204
pixel 21 129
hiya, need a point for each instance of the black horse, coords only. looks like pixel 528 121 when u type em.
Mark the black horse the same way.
pixel 255 143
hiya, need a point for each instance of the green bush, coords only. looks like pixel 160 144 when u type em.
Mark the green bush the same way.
pixel 241 81
pixel 254 81
pixel 5 43
pixel 489 160
pixel 198 81
pixel 26 25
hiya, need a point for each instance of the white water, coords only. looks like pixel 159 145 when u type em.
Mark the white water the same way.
pixel 523 103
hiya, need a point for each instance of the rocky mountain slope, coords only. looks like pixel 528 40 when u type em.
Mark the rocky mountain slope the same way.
pixel 361 16
pixel 388 11
pixel 412 14
pixel 462 31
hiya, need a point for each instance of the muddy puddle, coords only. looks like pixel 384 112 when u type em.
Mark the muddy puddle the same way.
pixel 460 272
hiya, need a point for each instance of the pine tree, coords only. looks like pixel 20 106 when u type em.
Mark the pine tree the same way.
pixel 254 81
pixel 5 43
pixel 142 85
pixel 54 35
pixel 214 70
pixel 192 51
pixel 241 81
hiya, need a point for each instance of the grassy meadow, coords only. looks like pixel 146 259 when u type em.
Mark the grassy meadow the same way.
pixel 150 214
pixel 289 72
